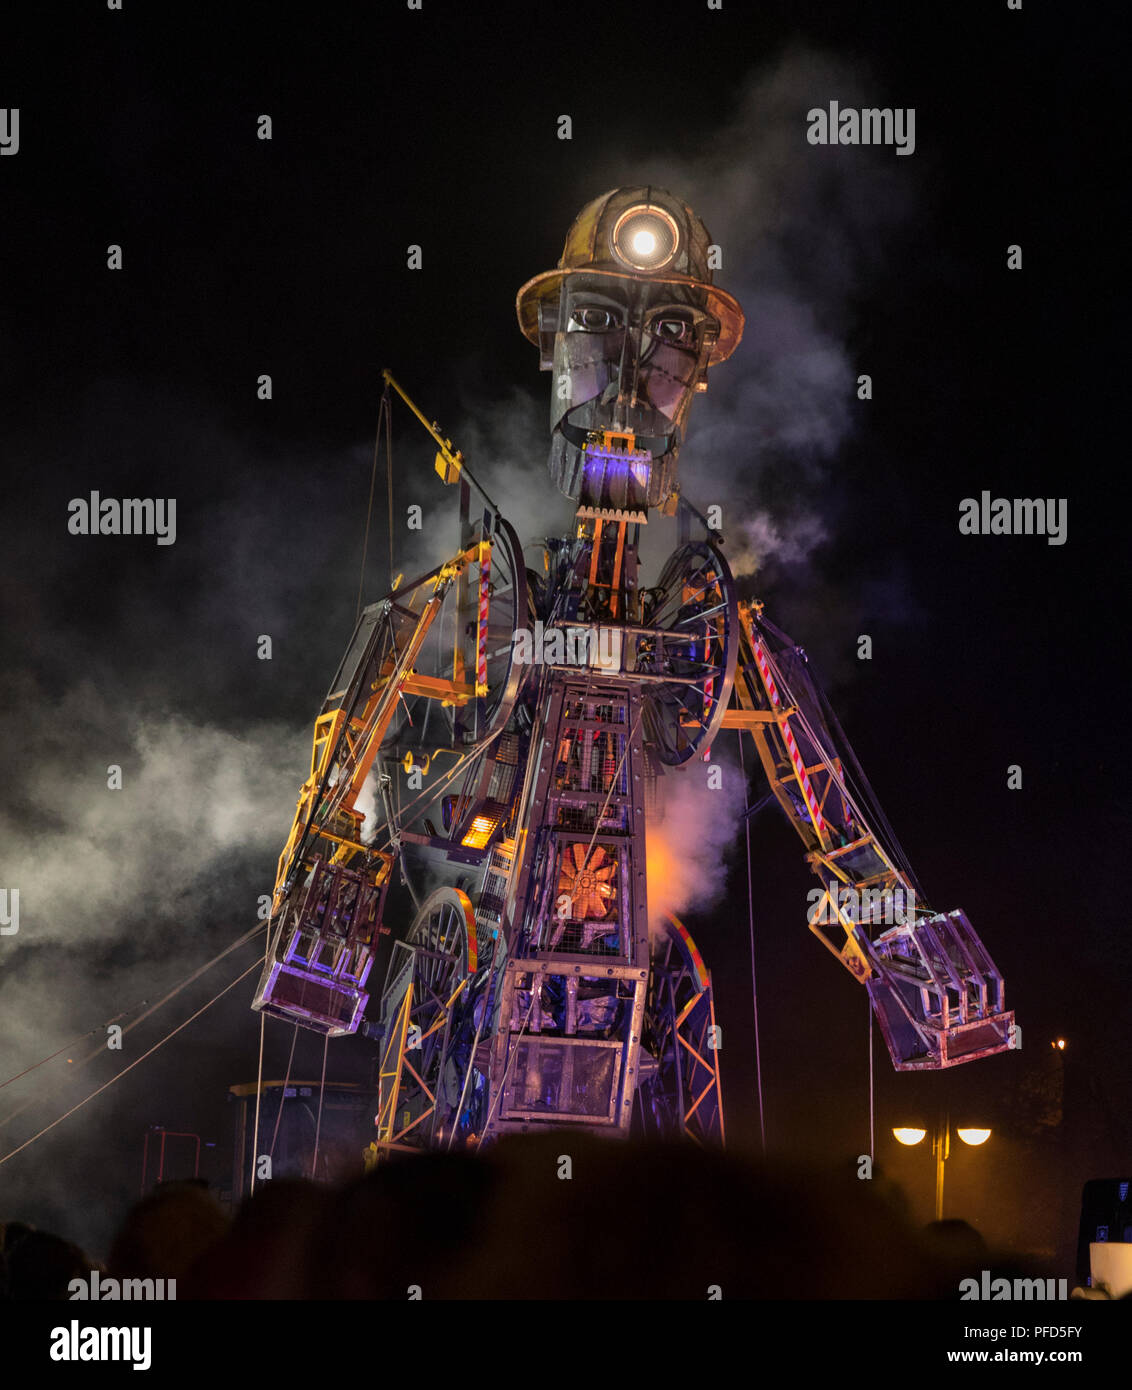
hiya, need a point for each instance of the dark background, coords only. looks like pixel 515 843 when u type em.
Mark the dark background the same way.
pixel 288 257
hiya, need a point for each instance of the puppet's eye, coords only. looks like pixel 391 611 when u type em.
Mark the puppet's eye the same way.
pixel 673 329
pixel 593 318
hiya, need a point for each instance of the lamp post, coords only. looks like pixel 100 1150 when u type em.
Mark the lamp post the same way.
pixel 941 1148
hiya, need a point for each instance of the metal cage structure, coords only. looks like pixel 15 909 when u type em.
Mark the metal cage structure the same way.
pixel 509 727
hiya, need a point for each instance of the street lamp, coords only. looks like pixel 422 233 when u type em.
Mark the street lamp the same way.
pixel 941 1148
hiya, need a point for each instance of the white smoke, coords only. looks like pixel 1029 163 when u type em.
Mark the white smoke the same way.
pixel 801 229
pixel 368 804
pixel 688 834
pixel 759 537
pixel 84 855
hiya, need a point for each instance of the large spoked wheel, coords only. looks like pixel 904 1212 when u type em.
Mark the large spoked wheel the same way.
pixel 428 1001
pixel 463 1093
pixel 694 613
pixel 679 1096
pixel 508 611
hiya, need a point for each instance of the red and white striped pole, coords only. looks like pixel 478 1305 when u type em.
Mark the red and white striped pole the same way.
pixel 481 628
pixel 788 739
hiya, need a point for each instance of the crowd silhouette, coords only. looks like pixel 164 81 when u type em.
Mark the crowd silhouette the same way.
pixel 549 1216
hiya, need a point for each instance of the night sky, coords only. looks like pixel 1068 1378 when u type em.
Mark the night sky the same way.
pixel 288 257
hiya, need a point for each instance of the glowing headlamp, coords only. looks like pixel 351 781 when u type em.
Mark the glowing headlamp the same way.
pixel 645 237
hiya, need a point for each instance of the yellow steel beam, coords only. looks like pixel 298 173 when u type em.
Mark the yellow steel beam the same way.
pixel 850 955
pixel 453 460
pixel 351 785
pixel 706 1091
pixel 434 688
pixel 706 1066
pixel 752 718
pixel 342 840
pixel 715 1061
pixel 385 1119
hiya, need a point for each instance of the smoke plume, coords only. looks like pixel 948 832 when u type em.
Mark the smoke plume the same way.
pixel 688 834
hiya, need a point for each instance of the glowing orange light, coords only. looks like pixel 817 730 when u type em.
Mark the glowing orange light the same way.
pixel 909 1135
pixel 974 1137
pixel 480 831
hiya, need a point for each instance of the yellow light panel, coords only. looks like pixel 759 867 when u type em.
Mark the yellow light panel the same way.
pixel 480 831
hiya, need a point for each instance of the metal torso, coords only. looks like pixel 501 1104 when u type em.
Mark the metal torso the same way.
pixel 574 985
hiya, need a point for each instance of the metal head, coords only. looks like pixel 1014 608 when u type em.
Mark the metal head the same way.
pixel 629 322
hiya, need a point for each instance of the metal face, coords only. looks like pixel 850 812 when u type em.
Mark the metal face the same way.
pixel 627 357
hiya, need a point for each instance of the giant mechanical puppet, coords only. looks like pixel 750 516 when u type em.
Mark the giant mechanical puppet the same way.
pixel 528 990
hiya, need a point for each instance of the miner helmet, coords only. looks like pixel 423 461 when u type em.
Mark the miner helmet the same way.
pixel 639 233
